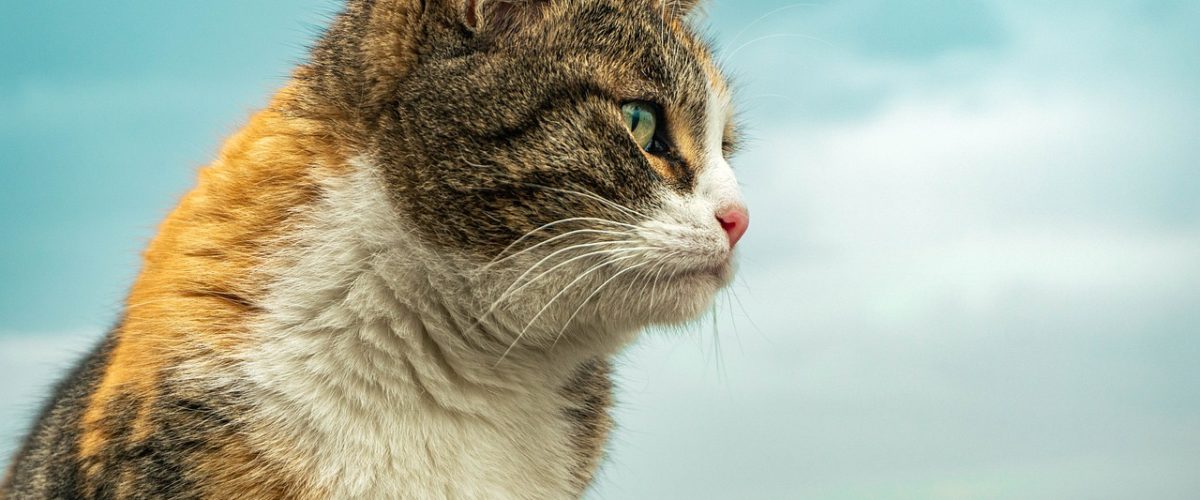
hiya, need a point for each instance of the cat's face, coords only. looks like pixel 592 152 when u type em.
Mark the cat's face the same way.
pixel 571 152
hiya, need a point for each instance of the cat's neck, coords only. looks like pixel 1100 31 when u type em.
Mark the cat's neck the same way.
pixel 360 358
pixel 350 273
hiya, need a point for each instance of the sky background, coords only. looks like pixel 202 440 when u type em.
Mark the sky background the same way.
pixel 973 269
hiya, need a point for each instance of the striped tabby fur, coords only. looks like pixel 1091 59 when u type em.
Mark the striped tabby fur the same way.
pixel 405 277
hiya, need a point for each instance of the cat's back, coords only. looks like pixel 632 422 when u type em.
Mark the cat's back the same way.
pixel 49 464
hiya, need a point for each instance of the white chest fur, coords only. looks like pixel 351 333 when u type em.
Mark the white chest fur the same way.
pixel 365 381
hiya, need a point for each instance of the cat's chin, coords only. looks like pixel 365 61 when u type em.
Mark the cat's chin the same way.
pixel 677 300
pixel 686 295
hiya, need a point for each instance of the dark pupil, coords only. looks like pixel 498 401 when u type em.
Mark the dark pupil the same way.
pixel 637 118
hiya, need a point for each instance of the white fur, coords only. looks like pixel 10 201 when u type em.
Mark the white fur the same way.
pixel 363 376
pixel 716 183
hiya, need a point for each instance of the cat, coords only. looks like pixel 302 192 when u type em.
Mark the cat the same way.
pixel 406 276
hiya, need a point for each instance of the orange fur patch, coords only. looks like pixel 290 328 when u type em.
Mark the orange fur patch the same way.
pixel 202 274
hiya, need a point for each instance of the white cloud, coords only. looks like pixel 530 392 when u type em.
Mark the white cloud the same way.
pixel 982 284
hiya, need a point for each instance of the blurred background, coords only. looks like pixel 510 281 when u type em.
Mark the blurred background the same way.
pixel 973 271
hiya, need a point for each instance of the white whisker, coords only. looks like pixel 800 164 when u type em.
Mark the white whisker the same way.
pixel 573 259
pixel 559 294
pixel 726 57
pixel 767 15
pixel 583 304
pixel 551 240
pixel 510 291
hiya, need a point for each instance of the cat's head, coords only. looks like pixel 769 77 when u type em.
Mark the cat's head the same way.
pixel 568 156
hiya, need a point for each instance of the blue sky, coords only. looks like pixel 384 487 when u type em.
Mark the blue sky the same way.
pixel 973 272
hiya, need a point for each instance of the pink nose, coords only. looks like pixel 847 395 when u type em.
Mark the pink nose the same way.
pixel 734 220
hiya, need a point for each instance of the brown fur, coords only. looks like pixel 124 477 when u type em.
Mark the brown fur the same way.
pixel 590 391
pixel 464 110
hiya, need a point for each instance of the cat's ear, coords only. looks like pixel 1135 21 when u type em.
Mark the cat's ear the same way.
pixel 501 16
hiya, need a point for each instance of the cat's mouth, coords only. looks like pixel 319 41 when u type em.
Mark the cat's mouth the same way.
pixel 719 274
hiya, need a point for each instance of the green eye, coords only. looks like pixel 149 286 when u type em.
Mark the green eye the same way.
pixel 642 120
